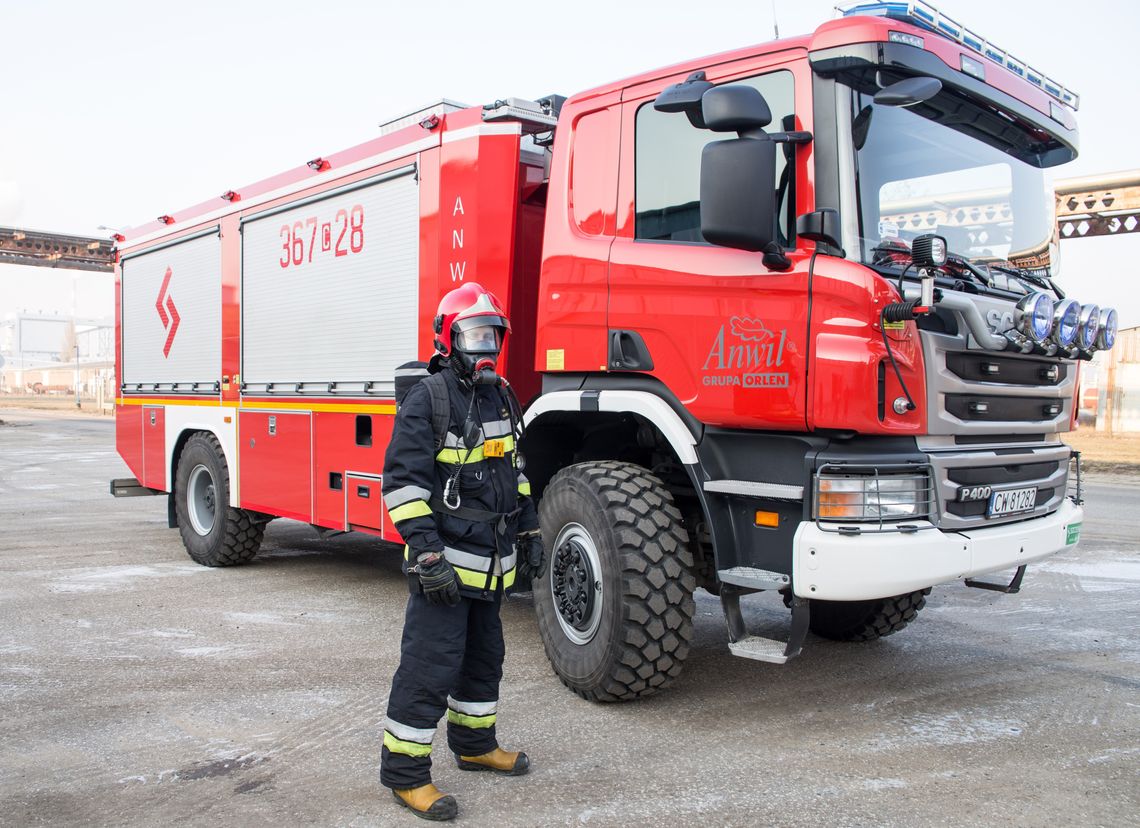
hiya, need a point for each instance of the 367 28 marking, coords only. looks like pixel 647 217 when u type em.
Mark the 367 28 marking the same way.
pixel 299 243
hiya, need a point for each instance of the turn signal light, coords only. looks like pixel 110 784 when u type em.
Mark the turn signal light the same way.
pixel 769 519
pixel 833 504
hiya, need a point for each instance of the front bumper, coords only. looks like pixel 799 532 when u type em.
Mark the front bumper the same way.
pixel 850 567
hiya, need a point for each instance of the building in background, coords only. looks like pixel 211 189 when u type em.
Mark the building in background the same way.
pixel 56 354
pixel 1110 387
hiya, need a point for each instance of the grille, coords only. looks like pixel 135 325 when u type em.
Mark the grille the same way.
pixel 1045 467
pixel 985 367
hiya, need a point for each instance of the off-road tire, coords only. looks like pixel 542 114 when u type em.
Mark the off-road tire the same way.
pixel 235 535
pixel 865 620
pixel 646 603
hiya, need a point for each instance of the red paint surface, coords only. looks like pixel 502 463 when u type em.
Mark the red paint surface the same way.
pixel 276 470
pixel 335 451
pixel 364 502
pixel 129 437
pixel 154 446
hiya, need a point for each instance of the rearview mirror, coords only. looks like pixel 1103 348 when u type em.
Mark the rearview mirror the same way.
pixel 735 109
pixel 908 91
pixel 738 179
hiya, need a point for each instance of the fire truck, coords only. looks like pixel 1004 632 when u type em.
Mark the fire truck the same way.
pixel 784 324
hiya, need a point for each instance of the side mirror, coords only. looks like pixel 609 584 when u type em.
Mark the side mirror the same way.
pixel 738 184
pixel 739 109
pixel 908 91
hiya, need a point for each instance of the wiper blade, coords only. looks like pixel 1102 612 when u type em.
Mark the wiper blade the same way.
pixel 1040 281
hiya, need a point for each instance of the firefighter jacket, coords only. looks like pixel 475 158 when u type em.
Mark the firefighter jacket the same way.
pixel 491 495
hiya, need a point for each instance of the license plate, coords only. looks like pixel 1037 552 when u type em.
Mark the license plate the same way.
pixel 1012 501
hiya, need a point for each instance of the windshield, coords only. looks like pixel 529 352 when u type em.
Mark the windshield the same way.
pixel 944 167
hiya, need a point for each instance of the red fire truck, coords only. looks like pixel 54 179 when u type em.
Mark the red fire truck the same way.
pixel 784 323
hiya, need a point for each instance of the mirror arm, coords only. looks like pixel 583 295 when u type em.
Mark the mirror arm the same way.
pixel 774 258
pixel 797 137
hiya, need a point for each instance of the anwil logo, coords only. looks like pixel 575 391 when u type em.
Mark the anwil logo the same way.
pixel 756 347
pixel 169 322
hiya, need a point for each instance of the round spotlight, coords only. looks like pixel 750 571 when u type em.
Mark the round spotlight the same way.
pixel 1106 336
pixel 1090 327
pixel 1035 316
pixel 1066 321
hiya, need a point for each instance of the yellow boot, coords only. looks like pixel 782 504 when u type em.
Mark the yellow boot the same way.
pixel 427 801
pixel 508 763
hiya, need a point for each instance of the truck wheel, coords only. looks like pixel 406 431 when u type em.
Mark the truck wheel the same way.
pixel 214 533
pixel 615 608
pixel 865 620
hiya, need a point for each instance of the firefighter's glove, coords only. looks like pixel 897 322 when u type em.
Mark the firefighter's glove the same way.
pixel 437 579
pixel 532 554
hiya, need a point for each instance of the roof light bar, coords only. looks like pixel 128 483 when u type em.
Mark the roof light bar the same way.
pixel 925 16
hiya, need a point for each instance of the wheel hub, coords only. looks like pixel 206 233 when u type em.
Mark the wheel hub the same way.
pixel 575 583
pixel 201 500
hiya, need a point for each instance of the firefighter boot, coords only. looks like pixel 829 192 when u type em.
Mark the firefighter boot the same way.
pixel 507 763
pixel 428 802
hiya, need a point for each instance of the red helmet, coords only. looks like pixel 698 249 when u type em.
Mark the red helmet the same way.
pixel 466 307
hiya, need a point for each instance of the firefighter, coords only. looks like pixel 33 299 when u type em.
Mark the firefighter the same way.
pixel 463 507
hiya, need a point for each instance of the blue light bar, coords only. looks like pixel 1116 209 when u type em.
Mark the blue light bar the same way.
pixel 925 16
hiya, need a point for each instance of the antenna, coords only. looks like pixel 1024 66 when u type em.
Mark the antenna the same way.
pixel 775 22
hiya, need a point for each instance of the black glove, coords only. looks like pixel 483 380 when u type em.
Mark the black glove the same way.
pixel 532 554
pixel 437 579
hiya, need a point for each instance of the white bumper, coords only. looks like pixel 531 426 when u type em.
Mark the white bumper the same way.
pixel 850 567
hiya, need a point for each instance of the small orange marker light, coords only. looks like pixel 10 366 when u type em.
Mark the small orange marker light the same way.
pixel 769 519
pixel 228 419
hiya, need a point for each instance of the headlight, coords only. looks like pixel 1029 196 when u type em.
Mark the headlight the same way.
pixel 1066 321
pixel 1106 337
pixel 865 498
pixel 1090 327
pixel 1034 316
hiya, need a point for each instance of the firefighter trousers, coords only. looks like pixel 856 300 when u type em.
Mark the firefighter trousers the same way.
pixel 451 660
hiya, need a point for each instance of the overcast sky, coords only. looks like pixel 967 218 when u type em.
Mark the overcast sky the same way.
pixel 116 112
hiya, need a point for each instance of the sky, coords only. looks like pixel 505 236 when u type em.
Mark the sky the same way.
pixel 116 112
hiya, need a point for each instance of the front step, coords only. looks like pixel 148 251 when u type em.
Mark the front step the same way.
pixel 760 649
pixel 756 647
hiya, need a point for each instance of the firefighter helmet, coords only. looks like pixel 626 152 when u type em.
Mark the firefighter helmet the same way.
pixel 465 309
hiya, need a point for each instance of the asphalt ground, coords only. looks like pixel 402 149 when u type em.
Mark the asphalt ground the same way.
pixel 138 688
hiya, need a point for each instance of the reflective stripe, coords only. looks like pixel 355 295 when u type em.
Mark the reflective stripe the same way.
pixel 457 557
pixel 411 372
pixel 524 488
pixel 407 748
pixel 476 722
pixel 423 735
pixel 472 708
pixel 417 508
pixel 475 580
pixel 509 579
pixel 405 493
pixel 498 428
pixel 475 455
pixel 509 561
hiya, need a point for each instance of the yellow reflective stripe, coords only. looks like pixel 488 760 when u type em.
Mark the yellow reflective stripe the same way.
pixel 407 748
pixel 475 455
pixel 471 578
pixel 509 578
pixel 524 489
pixel 414 508
pixel 477 722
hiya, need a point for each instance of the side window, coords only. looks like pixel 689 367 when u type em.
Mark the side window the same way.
pixel 593 170
pixel 667 161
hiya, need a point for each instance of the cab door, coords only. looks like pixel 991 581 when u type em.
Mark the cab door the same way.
pixel 726 335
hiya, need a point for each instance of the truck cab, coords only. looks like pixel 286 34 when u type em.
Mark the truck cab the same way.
pixel 739 310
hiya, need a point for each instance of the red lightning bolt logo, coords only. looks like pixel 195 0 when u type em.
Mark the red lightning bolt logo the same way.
pixel 170 322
